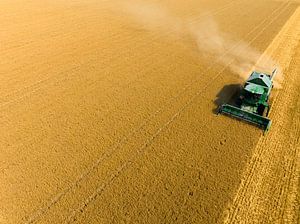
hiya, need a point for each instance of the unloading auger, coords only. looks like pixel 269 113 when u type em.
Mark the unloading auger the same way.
pixel 252 104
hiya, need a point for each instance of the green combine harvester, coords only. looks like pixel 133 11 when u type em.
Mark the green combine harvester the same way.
pixel 252 104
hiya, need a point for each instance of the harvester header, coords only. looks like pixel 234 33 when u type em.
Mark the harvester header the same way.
pixel 252 104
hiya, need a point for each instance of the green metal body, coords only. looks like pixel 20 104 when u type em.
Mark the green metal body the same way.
pixel 253 103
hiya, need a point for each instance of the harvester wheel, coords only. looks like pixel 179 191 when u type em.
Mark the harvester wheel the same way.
pixel 261 110
pixel 268 110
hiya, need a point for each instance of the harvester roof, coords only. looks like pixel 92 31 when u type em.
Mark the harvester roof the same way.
pixel 253 88
pixel 260 79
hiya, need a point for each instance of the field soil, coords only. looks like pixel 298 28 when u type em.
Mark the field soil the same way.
pixel 108 112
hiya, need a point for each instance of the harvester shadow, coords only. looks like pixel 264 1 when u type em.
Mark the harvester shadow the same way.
pixel 228 94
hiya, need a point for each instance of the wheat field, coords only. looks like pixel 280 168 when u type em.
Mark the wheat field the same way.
pixel 108 112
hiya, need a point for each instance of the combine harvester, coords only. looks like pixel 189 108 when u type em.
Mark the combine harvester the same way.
pixel 252 104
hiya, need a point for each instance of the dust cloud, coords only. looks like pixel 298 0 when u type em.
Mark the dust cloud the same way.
pixel 152 16
pixel 237 54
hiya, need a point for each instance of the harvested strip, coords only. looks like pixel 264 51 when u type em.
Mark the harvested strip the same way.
pixel 268 191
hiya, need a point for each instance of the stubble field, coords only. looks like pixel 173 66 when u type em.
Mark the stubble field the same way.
pixel 108 112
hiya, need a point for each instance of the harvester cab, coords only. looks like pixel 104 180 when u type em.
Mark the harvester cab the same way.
pixel 252 104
